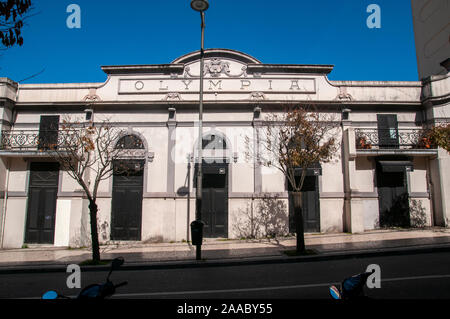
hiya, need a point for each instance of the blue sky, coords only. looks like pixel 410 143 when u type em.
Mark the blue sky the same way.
pixel 115 32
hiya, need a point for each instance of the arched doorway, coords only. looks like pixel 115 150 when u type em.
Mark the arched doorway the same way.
pixel 128 180
pixel 215 169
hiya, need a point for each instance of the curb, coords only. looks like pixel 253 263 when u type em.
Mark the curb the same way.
pixel 275 259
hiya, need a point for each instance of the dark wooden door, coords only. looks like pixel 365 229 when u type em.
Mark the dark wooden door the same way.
pixel 393 199
pixel 42 195
pixel 311 207
pixel 387 131
pixel 215 202
pixel 126 210
pixel 48 132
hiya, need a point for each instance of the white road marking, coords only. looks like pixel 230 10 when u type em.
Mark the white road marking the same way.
pixel 199 292
pixel 193 292
pixel 417 278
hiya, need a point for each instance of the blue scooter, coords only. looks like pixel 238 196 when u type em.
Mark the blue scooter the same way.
pixel 94 291
pixel 351 288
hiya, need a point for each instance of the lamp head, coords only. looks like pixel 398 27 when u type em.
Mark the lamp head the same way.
pixel 200 5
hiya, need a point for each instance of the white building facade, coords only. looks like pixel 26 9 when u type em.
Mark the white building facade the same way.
pixel 384 175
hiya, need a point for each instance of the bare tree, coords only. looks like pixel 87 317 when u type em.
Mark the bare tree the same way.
pixel 12 16
pixel 90 153
pixel 294 141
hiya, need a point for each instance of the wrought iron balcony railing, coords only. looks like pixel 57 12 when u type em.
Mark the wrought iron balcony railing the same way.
pixel 392 139
pixel 26 140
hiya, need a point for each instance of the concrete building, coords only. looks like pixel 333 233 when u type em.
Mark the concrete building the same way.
pixel 384 175
pixel 431 32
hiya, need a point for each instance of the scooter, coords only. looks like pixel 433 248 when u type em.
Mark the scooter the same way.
pixel 94 291
pixel 351 288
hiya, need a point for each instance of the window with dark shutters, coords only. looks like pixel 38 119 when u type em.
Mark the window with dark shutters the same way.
pixel 48 132
pixel 387 131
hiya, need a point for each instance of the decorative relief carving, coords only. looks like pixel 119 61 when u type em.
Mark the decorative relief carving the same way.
pixel 215 67
pixel 92 96
pixel 257 96
pixel 172 96
pixel 344 95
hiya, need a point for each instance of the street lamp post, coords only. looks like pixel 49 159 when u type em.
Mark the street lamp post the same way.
pixel 200 6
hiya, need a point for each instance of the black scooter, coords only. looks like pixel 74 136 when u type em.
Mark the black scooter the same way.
pixel 94 291
pixel 351 288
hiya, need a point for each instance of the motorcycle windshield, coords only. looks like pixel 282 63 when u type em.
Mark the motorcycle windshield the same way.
pixel 90 292
pixel 353 283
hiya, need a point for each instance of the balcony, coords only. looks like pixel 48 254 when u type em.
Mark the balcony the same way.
pixel 33 142
pixel 393 141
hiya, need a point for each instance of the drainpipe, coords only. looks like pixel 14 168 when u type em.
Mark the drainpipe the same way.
pixel 5 200
pixel 188 197
pixel 430 192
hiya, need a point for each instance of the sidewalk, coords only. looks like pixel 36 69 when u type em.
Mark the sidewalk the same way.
pixel 233 251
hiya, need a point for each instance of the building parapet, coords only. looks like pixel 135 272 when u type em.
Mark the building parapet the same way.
pixel 436 89
pixel 8 89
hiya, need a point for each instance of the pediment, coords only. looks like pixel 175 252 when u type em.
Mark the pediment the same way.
pixel 226 54
pixel 227 74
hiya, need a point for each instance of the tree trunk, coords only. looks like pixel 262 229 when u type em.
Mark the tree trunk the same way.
pixel 298 218
pixel 94 232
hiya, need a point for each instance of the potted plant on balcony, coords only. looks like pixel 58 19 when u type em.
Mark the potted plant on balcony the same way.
pixel 439 135
pixel 424 142
pixel 361 143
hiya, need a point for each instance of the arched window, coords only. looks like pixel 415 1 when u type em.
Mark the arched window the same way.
pixel 130 142
pixel 214 141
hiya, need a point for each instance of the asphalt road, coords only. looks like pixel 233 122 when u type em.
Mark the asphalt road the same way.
pixel 423 276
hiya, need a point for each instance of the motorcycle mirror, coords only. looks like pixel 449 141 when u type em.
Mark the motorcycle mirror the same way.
pixel 117 262
pixel 335 292
pixel 50 295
